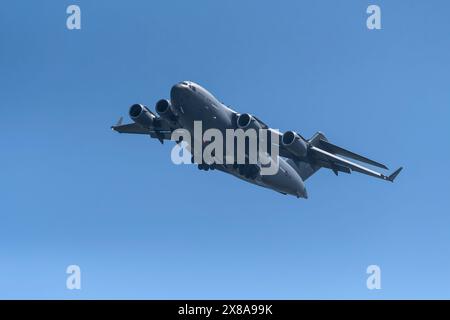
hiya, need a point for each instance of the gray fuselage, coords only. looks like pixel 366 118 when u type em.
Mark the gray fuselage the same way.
pixel 194 103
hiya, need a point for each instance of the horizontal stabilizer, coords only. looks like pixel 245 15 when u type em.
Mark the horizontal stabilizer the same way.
pixel 327 146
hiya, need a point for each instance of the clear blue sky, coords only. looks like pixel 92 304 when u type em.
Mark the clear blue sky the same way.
pixel 74 192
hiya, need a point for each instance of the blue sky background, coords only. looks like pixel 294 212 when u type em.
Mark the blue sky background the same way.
pixel 73 192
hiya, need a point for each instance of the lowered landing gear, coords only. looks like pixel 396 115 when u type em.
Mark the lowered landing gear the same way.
pixel 250 171
pixel 206 167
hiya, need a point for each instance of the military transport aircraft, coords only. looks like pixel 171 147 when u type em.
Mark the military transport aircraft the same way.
pixel 298 159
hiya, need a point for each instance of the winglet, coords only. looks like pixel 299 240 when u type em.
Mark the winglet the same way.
pixel 395 174
pixel 119 123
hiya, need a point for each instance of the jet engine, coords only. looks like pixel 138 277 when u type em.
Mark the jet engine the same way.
pixel 165 110
pixel 247 121
pixel 295 144
pixel 141 115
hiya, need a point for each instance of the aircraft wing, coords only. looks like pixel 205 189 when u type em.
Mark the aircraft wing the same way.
pixel 130 128
pixel 336 163
pixel 162 131
pixel 328 146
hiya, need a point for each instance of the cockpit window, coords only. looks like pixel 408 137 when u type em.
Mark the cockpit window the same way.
pixel 185 83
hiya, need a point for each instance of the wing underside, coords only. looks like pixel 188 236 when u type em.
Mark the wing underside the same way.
pixel 339 164
pixel 161 133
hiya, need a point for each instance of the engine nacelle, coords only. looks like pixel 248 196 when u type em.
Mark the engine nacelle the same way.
pixel 295 144
pixel 141 115
pixel 165 109
pixel 247 121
